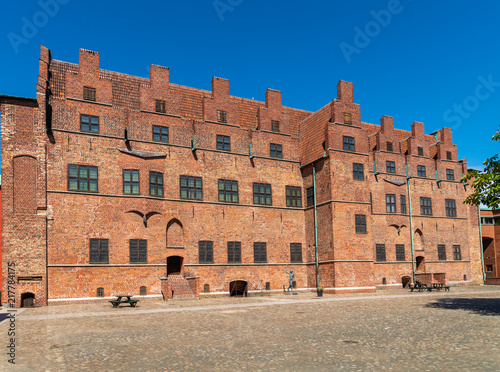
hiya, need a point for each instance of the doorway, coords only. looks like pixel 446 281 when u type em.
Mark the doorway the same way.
pixel 238 288
pixel 420 262
pixel 174 265
pixel 27 299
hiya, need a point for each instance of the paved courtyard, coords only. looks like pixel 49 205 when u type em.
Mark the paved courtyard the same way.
pixel 388 331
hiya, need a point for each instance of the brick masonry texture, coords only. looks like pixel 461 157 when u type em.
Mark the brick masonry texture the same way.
pixel 47 228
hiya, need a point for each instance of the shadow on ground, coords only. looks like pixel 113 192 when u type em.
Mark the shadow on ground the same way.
pixel 481 306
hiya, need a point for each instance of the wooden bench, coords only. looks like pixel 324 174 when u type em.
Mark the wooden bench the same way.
pixel 119 301
pixel 440 286
pixel 420 287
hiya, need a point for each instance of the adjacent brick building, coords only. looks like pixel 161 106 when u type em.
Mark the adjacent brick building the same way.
pixel 490 223
pixel 120 184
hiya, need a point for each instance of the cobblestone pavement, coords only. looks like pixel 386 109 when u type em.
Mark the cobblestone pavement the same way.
pixel 387 331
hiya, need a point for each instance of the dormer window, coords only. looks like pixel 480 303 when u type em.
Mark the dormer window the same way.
pixel 222 117
pixel 347 118
pixel 160 106
pixel 448 155
pixel 389 146
pixel 420 151
pixel 89 94
pixel 275 126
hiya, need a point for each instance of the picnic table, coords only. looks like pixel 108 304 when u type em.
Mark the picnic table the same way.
pixel 128 300
pixel 421 287
pixel 440 286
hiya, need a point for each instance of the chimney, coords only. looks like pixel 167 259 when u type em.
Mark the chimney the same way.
pixel 220 87
pixel 344 91
pixel 387 125
pixel 273 98
pixel 417 129
pixel 89 61
pixel 445 136
pixel 159 74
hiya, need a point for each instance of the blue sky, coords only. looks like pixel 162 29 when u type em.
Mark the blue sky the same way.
pixel 416 60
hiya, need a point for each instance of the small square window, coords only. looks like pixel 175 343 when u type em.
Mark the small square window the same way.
pixel 426 206
pixel 276 151
pixel 275 126
pixel 156 184
pixel 348 143
pixel 489 268
pixel 293 196
pixel 223 143
pixel 228 191
pixel 191 188
pixel 262 194
pixel 450 174
pixel 82 178
pixel 390 202
pixel 259 252
pixel 206 288
pixel 457 254
pixel 420 151
pixel 360 221
pixel 390 167
pixel 222 117
pixel 380 252
pixel 358 172
pixel 100 292
pixel 138 251
pixel 295 252
pixel 89 123
pixel 448 155
pixel 99 252
pixel 234 252
pixel 441 252
pixel 400 252
pixel 160 106
pixel 130 181
pixel 143 291
pixel 206 251
pixel 421 171
pixel 389 146
pixel 88 94
pixel 347 118
pixel 451 208
pixel 160 134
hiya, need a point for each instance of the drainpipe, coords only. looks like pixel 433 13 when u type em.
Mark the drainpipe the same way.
pixel 411 226
pixel 315 226
pixel 481 240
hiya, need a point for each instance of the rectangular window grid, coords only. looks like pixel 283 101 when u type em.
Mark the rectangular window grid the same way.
pixel 389 146
pixel 206 251
pixel 296 252
pixel 99 251
pixel 160 134
pixel 82 178
pixel 360 221
pixel 358 171
pixel 380 252
pixel 228 191
pixel 191 188
pixel 160 106
pixel 310 196
pixel 390 203
pixel 89 123
pixel 275 126
pixel 234 252
pixel 347 118
pixel 400 252
pixel 222 117
pixel 420 151
pixel 457 254
pixel 450 174
pixel 390 167
pixel 426 206
pixel 276 151
pixel 88 94
pixel 155 184
pixel 130 181
pixel 403 203
pixel 451 207
pixel 421 171
pixel 448 155
pixel 293 196
pixel 259 252
pixel 138 251
pixel 348 143
pixel 223 143
pixel 262 194
pixel 441 252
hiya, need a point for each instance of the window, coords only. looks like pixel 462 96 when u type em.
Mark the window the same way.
pixel 130 181
pixel 259 252
pixel 293 196
pixel 99 251
pixel 234 252
pixel 88 94
pixel 451 208
pixel 426 206
pixel 403 203
pixel 421 170
pixel 448 155
pixel 310 196
pixel 191 188
pixel 155 184
pixel 222 116
pixel 228 191
pixel 389 146
pixel 223 143
pixel 357 172
pixel 138 251
pixel 390 203
pixel 206 251
pixel 82 178
pixel 276 151
pixel 360 221
pixel 390 166
pixel 160 106
pixel 295 252
pixel 400 252
pixel 143 291
pixel 380 252
pixel 100 292
pixel 347 118
pixel 457 255
pixel 420 151
pixel 348 143
pixel 262 194
pixel 89 123
pixel 206 288
pixel 160 134
pixel 275 126
pixel 489 268
pixel 268 286
pixel 441 252
pixel 450 174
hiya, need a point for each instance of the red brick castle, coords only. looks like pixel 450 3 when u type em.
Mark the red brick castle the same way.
pixel 119 184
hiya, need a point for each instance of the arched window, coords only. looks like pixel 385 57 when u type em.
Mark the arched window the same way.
pixel 100 292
